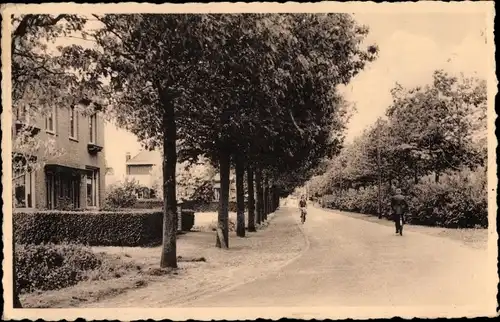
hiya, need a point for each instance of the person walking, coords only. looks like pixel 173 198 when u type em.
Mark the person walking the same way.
pixel 399 207
pixel 302 207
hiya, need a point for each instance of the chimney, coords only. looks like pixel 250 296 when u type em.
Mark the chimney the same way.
pixel 127 156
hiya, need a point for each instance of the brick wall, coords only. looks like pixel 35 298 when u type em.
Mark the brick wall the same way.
pixel 75 153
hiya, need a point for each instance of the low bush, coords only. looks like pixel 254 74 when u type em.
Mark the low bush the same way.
pixel 458 200
pixel 122 195
pixel 50 267
pixel 118 228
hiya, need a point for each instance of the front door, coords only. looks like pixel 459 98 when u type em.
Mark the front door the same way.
pixel 63 190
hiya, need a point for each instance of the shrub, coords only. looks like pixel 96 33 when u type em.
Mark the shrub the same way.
pixel 119 228
pixel 51 267
pixel 121 195
pixel 459 200
pixel 64 203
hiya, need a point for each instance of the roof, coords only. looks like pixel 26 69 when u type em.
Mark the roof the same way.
pixel 146 158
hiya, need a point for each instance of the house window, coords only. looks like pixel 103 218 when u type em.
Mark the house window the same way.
pixel 50 121
pixel 23 190
pixel 93 129
pixel 73 123
pixel 92 188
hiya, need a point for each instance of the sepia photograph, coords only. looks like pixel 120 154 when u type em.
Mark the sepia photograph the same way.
pixel 240 161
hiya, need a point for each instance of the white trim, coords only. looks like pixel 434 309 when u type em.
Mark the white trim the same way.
pixel 93 129
pixel 73 122
pixel 54 121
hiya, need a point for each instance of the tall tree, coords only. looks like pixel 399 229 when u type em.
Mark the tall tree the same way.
pixel 152 75
pixel 240 197
pixel 251 199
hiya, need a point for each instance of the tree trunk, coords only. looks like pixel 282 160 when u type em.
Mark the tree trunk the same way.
pixel 272 199
pixel 224 168
pixel 169 249
pixel 266 197
pixel 264 202
pixel 260 195
pixel 240 197
pixel 251 200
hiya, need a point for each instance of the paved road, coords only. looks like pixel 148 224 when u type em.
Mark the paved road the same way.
pixel 351 262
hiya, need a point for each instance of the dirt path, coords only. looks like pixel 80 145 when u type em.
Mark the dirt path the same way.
pixel 247 259
pixel 353 262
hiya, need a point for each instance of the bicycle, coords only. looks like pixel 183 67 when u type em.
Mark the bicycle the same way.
pixel 303 214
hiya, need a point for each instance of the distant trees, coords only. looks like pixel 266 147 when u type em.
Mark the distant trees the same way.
pixel 283 114
pixel 429 130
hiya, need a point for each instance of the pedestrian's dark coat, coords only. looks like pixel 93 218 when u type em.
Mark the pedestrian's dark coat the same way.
pixel 398 204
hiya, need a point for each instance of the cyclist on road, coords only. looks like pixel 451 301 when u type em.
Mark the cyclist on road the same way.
pixel 303 206
pixel 399 207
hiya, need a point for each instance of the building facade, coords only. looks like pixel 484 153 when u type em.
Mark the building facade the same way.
pixel 145 169
pixel 72 179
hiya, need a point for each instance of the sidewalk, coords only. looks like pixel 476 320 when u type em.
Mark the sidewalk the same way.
pixel 246 259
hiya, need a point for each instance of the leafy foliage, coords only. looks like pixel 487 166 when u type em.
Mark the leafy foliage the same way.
pixel 195 181
pixel 51 267
pixel 122 195
pixel 429 131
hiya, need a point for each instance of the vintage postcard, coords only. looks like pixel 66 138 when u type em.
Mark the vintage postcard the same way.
pixel 240 161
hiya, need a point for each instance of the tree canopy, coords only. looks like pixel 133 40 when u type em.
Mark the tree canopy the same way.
pixel 428 130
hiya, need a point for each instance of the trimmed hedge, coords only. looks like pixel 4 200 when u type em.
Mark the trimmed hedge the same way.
pixel 90 228
pixel 148 204
pixel 104 228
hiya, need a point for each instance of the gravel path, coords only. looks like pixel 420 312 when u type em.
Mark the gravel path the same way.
pixel 353 262
pixel 247 259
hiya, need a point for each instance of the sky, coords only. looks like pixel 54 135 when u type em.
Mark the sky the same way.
pixel 411 47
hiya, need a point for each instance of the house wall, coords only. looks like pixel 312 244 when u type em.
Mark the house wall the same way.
pixel 74 152
pixel 141 173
